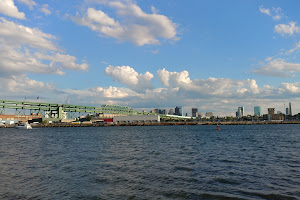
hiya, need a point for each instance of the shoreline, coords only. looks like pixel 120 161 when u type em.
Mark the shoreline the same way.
pixel 53 125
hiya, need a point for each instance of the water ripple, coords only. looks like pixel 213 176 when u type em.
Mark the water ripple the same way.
pixel 180 162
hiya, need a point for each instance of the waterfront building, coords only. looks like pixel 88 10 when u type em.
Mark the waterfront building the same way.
pixel 136 119
pixel 194 112
pixel 271 111
pixel 290 109
pixel 178 110
pixel 257 111
pixel 171 112
pixel 287 111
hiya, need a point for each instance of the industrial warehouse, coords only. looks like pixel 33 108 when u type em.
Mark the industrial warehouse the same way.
pixel 136 119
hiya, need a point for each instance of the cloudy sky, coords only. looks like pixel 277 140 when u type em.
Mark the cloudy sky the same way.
pixel 214 55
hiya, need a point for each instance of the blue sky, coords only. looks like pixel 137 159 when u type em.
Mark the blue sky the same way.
pixel 214 55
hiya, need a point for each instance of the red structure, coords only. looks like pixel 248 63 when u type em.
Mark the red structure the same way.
pixel 108 120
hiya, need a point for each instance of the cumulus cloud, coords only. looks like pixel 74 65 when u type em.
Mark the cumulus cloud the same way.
pixel 278 68
pixel 7 7
pixel 201 87
pixel 111 92
pixel 287 29
pixel 24 49
pixel 135 26
pixel 275 13
pixel 17 35
pixel 293 88
pixel 129 77
pixel 20 85
pixel 29 3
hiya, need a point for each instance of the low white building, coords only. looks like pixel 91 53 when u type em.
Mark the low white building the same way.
pixel 9 122
pixel 136 119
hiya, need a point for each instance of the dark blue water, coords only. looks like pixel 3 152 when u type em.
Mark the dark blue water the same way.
pixel 158 162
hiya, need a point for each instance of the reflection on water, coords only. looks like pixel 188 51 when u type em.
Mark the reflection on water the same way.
pixel 168 162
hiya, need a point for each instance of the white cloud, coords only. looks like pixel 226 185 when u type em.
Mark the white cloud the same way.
pixel 135 26
pixel 264 10
pixel 45 9
pixel 7 7
pixel 20 85
pixel 24 49
pixel 278 68
pixel 173 79
pixel 29 3
pixel 129 77
pixel 293 88
pixel 289 29
pixel 275 13
pixel 17 35
pixel 63 60
pixel 111 92
pixel 206 87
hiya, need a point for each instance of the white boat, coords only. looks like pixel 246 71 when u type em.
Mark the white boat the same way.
pixel 24 126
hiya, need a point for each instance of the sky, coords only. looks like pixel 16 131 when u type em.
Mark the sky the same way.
pixel 213 55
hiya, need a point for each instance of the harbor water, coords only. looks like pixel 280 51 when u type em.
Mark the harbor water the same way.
pixel 153 162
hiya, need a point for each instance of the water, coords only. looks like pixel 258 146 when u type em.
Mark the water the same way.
pixel 167 162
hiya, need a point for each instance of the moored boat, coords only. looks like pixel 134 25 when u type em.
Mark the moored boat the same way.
pixel 26 125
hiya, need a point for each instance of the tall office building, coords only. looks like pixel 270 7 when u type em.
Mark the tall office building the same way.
pixel 171 112
pixel 257 111
pixel 164 111
pixel 194 112
pixel 178 110
pixel 290 109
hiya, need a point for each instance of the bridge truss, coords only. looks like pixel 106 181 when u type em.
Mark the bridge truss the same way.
pixel 49 110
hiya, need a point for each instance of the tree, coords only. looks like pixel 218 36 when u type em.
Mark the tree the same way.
pixel 88 118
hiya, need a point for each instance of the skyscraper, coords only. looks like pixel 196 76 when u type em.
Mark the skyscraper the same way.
pixel 178 110
pixel 257 111
pixel 290 109
pixel 194 112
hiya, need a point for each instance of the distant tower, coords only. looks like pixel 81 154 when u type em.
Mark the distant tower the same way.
pixel 240 111
pixel 171 112
pixel 194 112
pixel 290 109
pixel 287 111
pixel 164 111
pixel 178 110
pixel 257 111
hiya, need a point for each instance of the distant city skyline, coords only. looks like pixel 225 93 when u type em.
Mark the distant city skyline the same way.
pixel 211 55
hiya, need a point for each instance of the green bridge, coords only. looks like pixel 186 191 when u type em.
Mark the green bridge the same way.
pixel 59 110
